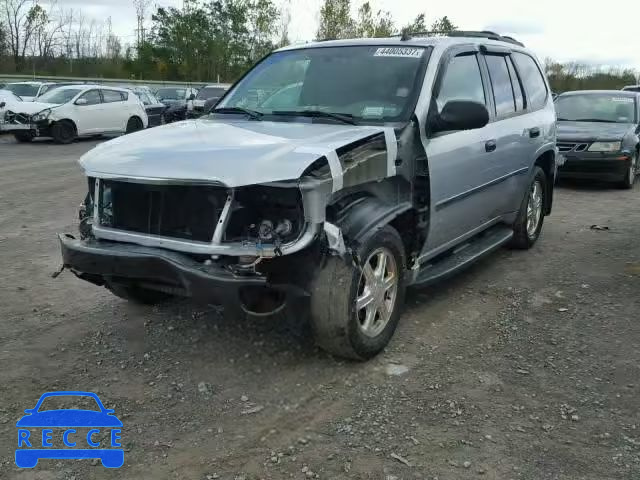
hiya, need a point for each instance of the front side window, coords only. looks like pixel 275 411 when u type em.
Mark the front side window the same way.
pixel 596 107
pixel 462 81
pixel 59 96
pixel 210 92
pixel 501 84
pixel 533 80
pixel 92 97
pixel 370 83
pixel 171 93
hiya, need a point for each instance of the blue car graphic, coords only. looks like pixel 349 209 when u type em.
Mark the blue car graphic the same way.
pixel 32 447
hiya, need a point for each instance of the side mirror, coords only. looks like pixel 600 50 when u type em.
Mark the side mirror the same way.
pixel 2 104
pixel 460 115
pixel 192 96
pixel 81 101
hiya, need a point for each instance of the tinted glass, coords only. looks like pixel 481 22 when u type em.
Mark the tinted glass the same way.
pixel 462 81
pixel 517 87
pixel 171 93
pixel 501 84
pixel 111 96
pixel 371 83
pixel 92 97
pixel 533 80
pixel 596 107
pixel 59 96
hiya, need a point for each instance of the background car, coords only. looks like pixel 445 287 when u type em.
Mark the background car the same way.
pixel 155 108
pixel 631 88
pixel 179 100
pixel 598 134
pixel 66 113
pixel 208 93
pixel 28 91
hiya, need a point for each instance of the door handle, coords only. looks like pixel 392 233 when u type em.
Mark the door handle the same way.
pixel 490 146
pixel 534 132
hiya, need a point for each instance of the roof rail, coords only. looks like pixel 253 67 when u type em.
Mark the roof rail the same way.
pixel 406 35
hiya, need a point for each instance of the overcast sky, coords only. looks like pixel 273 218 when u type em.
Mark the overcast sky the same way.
pixel 565 30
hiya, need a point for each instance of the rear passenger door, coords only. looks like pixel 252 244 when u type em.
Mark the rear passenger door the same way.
pixel 116 115
pixel 463 165
pixel 510 127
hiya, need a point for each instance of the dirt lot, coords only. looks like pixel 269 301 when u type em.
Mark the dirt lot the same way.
pixel 527 366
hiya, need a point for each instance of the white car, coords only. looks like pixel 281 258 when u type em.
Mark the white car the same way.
pixel 66 113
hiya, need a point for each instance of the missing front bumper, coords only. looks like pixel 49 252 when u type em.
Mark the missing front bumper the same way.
pixel 99 262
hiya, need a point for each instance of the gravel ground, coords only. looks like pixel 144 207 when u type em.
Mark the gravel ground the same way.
pixel 526 366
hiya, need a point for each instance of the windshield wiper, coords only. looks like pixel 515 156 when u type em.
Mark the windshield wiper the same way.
pixel 250 113
pixel 341 117
pixel 594 120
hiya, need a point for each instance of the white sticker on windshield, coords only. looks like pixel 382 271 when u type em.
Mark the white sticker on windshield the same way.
pixel 399 52
pixel 623 99
pixel 375 112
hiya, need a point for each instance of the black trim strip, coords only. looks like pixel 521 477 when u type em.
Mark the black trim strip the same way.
pixel 456 198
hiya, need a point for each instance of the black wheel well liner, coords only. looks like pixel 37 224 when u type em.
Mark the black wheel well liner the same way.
pixel 68 120
pixel 359 216
pixel 547 161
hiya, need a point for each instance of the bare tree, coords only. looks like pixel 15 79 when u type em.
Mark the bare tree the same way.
pixel 22 19
pixel 141 7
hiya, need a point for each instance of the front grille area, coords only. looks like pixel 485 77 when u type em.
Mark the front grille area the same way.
pixel 188 212
pixel 564 147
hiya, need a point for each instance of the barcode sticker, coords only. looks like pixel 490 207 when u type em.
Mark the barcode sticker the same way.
pixel 399 52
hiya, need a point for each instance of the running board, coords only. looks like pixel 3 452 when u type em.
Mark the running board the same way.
pixel 464 255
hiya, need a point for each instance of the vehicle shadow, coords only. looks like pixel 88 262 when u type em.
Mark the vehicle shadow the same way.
pixel 585 185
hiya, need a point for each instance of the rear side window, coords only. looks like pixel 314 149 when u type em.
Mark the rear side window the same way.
pixel 92 97
pixel 111 96
pixel 462 81
pixel 533 80
pixel 501 83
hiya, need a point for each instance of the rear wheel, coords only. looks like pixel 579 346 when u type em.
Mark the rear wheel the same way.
pixel 24 136
pixel 134 124
pixel 63 132
pixel 630 174
pixel 136 294
pixel 355 310
pixel 528 225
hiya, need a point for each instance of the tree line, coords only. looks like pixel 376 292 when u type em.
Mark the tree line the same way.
pixel 206 40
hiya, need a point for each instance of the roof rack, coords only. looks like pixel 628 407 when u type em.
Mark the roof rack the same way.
pixel 405 36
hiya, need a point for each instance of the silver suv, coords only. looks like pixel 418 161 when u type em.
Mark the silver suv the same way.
pixel 329 178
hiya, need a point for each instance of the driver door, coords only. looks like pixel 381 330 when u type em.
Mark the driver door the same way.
pixel 461 163
pixel 89 117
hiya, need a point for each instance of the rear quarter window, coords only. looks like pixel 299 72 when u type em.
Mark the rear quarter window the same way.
pixel 533 80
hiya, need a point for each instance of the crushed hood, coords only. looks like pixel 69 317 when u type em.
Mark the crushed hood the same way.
pixel 233 153
pixel 32 107
pixel 592 131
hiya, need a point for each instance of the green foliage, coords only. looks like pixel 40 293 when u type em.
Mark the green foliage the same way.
pixel 565 77
pixel 335 20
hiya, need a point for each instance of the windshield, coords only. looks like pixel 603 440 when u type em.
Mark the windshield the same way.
pixel 6 95
pixel 596 107
pixel 69 402
pixel 23 89
pixel 171 93
pixel 59 95
pixel 210 92
pixel 370 83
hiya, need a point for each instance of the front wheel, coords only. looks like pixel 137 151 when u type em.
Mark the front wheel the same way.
pixel 528 224
pixel 63 132
pixel 355 309
pixel 629 179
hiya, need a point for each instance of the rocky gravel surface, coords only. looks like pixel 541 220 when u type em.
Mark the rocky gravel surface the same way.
pixel 526 366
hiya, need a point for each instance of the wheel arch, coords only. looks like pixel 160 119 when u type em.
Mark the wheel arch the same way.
pixel 547 162
pixel 68 120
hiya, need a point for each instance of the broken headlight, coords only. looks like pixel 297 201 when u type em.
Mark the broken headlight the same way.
pixel 43 115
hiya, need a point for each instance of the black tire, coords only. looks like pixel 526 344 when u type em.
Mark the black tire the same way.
pixel 134 125
pixel 63 132
pixel 522 238
pixel 135 294
pixel 334 320
pixel 629 179
pixel 24 136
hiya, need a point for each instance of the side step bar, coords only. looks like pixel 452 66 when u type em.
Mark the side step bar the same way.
pixel 464 255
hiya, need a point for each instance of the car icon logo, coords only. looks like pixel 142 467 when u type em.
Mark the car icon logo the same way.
pixel 69 433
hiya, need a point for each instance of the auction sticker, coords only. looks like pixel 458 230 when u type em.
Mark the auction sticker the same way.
pixel 399 52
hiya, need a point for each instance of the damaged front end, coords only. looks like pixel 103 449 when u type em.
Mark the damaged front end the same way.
pixel 21 122
pixel 206 241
